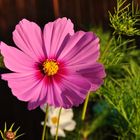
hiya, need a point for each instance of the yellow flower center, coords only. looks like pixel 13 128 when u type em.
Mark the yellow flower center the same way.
pixel 50 67
pixel 54 120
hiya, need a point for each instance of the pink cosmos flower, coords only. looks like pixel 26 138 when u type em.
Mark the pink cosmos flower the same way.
pixel 58 66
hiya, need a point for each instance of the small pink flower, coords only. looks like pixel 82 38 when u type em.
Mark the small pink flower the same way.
pixel 57 67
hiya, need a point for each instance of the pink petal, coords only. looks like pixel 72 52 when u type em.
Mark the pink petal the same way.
pixel 71 91
pixel 55 34
pixel 74 90
pixel 16 60
pixel 40 98
pixel 94 74
pixel 82 47
pixel 27 87
pixel 28 37
pixel 54 94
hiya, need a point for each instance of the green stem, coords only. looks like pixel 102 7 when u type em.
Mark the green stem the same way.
pixel 56 136
pixel 85 107
pixel 45 121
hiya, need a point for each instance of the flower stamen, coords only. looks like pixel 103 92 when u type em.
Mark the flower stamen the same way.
pixel 50 67
pixel 54 120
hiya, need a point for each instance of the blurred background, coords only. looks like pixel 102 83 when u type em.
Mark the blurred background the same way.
pixel 83 13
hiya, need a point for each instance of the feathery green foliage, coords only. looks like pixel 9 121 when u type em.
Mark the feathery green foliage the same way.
pixel 125 18
pixel 121 90
pixel 124 96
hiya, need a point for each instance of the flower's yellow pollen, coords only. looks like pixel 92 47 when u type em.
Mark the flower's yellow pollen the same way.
pixel 54 120
pixel 50 67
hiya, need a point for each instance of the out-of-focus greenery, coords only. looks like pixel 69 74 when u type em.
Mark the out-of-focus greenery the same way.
pixel 116 106
pixel 116 103
pixel 124 96
pixel 125 18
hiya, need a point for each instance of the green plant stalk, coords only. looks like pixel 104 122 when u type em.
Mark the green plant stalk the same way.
pixel 85 106
pixel 56 136
pixel 45 121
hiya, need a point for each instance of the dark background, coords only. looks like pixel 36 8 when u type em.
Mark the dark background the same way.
pixel 83 13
